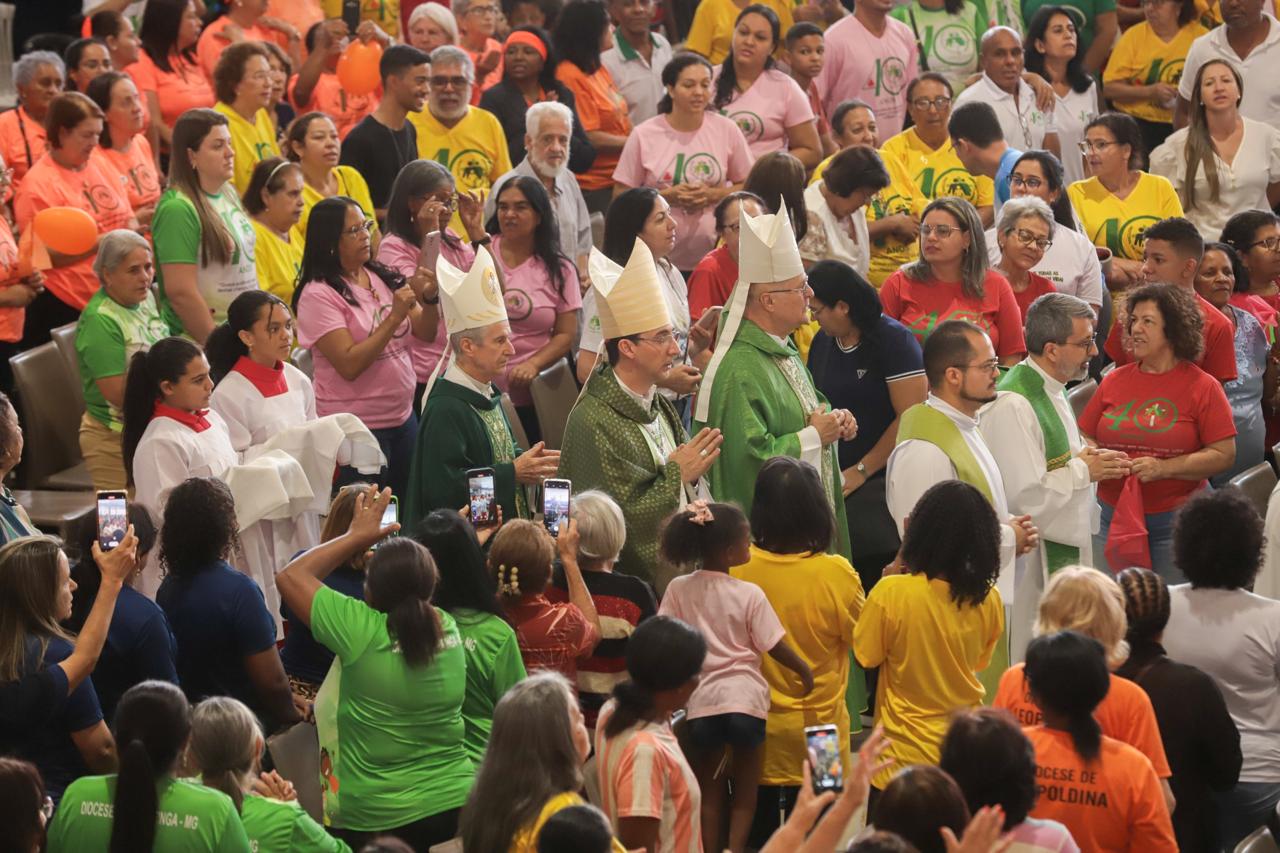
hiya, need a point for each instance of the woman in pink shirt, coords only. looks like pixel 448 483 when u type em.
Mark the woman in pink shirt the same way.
pixel 123 147
pixel 356 316
pixel 540 287
pixel 769 107
pixel 692 157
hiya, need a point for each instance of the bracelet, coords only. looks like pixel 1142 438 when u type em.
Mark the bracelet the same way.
pixel 485 241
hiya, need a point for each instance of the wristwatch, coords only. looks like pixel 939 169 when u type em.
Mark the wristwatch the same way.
pixel 862 469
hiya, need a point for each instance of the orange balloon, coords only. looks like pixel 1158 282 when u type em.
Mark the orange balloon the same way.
pixel 66 230
pixel 358 67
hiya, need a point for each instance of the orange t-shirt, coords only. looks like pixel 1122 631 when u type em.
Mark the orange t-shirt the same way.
pixel 22 141
pixel 329 98
pixel 494 77
pixel 10 318
pixel 600 107
pixel 302 14
pixel 1124 714
pixel 98 193
pixel 1113 803
pixel 136 169
pixel 212 43
pixel 184 88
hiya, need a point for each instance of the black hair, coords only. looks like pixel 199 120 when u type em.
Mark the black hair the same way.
pixel 880 841
pixel 1051 166
pixel 106 24
pixel 778 177
pixel 917 803
pixel 577 829
pixel 161 21
pixel 1238 270
pixel 671 73
pixel 267 176
pixel 992 761
pixel 22 796
pixel 801 30
pixel 728 80
pixel 790 510
pixel 416 178
pixel 1178 232
pixel 546 234
pixel 224 347
pixel 684 542
pixel 954 536
pixel 624 220
pixel 949 345
pixel 975 122
pixel 1146 604
pixel 399 581
pixel 1241 228
pixel 85 572
pixel 1033 60
pixel 313 33
pixel 834 282
pixel 929 77
pixel 72 55
pixel 663 653
pixel 844 108
pixel 1126 131
pixel 578 33
pixel 320 261
pixel 722 206
pixel 166 361
pixel 464 580
pixel 99 91
pixel 1217 539
pixel 152 724
pixel 188 548
pixel 1067 674
pixel 398 58
pixel 547 76
pixel 856 168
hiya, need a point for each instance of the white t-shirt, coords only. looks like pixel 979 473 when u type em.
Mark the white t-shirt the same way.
pixel 1242 184
pixel 1234 636
pixel 1071 263
pixel 1260 69
pixel 1024 125
pixel 829 238
pixel 1073 112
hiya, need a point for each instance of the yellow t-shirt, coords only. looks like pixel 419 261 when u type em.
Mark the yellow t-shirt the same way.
pixel 384 13
pixel 351 184
pixel 278 262
pixel 929 650
pixel 711 33
pixel 1142 59
pixel 817 598
pixel 474 150
pixel 1119 225
pixel 252 143
pixel 526 840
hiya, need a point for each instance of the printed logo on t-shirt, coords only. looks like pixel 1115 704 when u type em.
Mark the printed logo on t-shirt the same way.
pixel 923 326
pixel 749 123
pixel 1155 415
pixel 700 168
pixel 954 44
pixel 1127 240
pixel 1166 70
pixel 1059 787
pixel 101 199
pixel 471 167
pixel 884 204
pixel 891 76
pixel 954 181
pixel 143 180
pixel 519 305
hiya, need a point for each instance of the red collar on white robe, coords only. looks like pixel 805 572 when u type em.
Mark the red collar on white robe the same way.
pixel 195 421
pixel 269 381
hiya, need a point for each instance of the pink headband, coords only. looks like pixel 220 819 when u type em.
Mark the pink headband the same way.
pixel 526 38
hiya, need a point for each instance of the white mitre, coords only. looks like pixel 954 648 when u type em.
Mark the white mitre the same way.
pixel 471 299
pixel 629 299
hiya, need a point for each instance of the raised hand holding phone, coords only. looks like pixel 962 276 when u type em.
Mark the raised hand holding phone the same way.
pixel 366 520
pixel 119 563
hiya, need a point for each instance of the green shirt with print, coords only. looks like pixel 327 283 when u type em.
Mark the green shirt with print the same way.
pixel 190 818
pixel 949 43
pixel 493 666
pixel 274 826
pixel 107 336
pixel 399 755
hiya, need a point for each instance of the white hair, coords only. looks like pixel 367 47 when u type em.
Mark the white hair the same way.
pixel 534 116
pixel 24 70
pixel 1013 210
pixel 439 15
pixel 115 247
pixel 602 529
pixel 448 54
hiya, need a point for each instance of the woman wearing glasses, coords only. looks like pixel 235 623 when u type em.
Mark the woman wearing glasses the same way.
pixel 953 280
pixel 242 82
pixel 312 142
pixel 1023 234
pixel 477 22
pixel 1255 235
pixel 356 316
pixel 1116 205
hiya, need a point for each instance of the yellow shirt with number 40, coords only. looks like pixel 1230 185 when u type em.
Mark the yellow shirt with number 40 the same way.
pixel 1120 224
pixel 474 150
pixel 278 261
pixel 1141 58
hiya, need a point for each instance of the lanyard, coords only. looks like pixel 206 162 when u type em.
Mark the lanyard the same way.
pixel 22 129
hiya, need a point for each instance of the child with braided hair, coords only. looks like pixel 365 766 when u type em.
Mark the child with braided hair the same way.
pixel 551 635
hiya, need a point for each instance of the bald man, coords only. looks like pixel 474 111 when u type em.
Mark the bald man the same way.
pixel 1024 124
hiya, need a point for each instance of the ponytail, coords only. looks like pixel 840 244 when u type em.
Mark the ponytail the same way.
pixel 166 361
pixel 1086 735
pixel 1067 676
pixel 662 654
pixel 701 535
pixel 400 580
pixel 133 826
pixel 634 703
pixel 152 724
pixel 224 347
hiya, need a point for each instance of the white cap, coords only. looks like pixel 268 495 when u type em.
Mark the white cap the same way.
pixel 470 300
pixel 629 299
pixel 767 250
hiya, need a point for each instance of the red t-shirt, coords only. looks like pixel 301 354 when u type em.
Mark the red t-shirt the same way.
pixel 922 305
pixel 1037 286
pixel 1219 356
pixel 1161 415
pixel 711 282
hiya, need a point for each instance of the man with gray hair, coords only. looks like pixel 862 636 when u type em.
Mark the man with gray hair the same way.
pixel 1047 469
pixel 548 128
pixel 466 140
pixel 38 77
pixel 1024 124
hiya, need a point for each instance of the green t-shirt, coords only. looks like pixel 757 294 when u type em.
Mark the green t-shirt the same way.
pixel 950 42
pixel 175 229
pixel 190 819
pixel 1085 12
pixel 391 745
pixel 493 665
pixel 107 336
pixel 278 827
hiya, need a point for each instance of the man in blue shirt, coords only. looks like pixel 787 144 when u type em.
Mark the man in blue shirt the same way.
pixel 979 143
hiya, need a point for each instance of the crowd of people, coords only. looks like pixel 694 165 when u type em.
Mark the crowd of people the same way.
pixel 916 347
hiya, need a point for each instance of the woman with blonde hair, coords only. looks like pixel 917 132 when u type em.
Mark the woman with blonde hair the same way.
pixel 1085 600
pixel 430 26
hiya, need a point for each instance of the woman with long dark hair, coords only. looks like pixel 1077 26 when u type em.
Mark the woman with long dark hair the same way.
pixel 312 142
pixel 393 746
pixel 1052 49
pixel 168 71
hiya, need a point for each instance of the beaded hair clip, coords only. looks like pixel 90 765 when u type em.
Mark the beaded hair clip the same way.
pixel 511 584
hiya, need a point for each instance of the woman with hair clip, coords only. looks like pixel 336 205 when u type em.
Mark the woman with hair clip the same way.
pixel 167 72
pixel 274 200
pixel 534 767
pixel 242 82
pixel 837 218
pixel 770 108
pixel 1052 49
pixel 1102 790
pixel 1196 728
pixel 204 241
pixel 468 593
pixel 939 594
pixel 953 278
pixel 123 146
pixel 670 152
pixel 392 748
pixel 312 142
pixel 131 810
pixel 225 752
pixel 356 315
pixel 647 788
pixel 1221 163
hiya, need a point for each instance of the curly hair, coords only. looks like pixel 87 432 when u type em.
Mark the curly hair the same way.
pixel 199 526
pixel 1183 322
pixel 992 761
pixel 1217 540
pixel 1146 603
pixel 954 536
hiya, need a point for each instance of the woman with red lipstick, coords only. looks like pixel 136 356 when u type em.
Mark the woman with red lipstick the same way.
pixel 123 147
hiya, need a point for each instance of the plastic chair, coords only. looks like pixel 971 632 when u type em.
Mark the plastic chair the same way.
pixel 51 428
pixel 65 338
pixel 1258 841
pixel 554 391
pixel 302 360
pixel 1256 483
pixel 1080 396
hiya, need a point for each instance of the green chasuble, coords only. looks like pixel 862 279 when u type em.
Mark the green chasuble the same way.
pixel 461 430
pixel 760 400
pixel 612 444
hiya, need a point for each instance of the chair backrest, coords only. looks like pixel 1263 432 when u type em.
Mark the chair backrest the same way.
pixel 554 390
pixel 8 91
pixel 301 358
pixel 1256 483
pixel 513 418
pixel 50 427
pixel 1258 841
pixel 1080 396
pixel 65 338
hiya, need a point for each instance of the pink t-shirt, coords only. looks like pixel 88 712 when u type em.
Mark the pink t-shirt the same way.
pixel 402 256
pixel 532 305
pixel 876 70
pixel 382 396
pixel 739 626
pixel 763 113
pixel 657 156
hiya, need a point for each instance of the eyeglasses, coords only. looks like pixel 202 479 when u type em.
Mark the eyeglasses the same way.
pixel 1016 180
pixel 449 202
pixel 801 289
pixel 1026 238
pixel 355 230
pixel 1094 145
pixel 1271 244
pixel 939 103
pixel 662 340
pixel 1088 345
pixel 942 232
pixel 992 366
pixel 482 10
pixel 449 82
